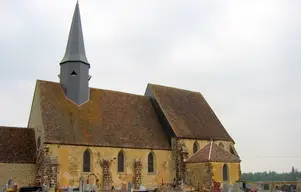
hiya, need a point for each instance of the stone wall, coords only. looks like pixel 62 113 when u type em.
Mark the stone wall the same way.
pixel 47 169
pixel 24 173
pixel 137 175
pixel 68 155
pixel 180 154
pixel 233 172
pixel 107 175
pixel 195 175
pixel 208 176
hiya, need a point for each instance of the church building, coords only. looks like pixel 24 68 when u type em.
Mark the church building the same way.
pixel 110 138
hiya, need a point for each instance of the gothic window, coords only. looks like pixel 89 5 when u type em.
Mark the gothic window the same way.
pixel 196 147
pixel 225 172
pixel 221 145
pixel 87 161
pixel 150 162
pixel 39 142
pixel 120 161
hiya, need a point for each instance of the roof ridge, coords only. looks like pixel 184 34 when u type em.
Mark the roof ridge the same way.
pixel 209 157
pixel 172 87
pixel 12 127
pixel 116 91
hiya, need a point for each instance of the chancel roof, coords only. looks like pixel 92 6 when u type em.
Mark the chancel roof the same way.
pixel 213 153
pixel 188 113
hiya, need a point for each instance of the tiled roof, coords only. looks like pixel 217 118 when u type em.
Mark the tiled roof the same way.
pixel 17 145
pixel 212 153
pixel 188 113
pixel 110 118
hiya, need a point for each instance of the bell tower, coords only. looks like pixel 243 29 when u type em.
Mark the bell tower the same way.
pixel 74 67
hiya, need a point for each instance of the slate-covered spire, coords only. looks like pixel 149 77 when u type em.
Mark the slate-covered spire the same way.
pixel 74 73
pixel 75 50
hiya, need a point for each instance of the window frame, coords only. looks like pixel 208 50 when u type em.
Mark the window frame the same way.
pixel 151 165
pixel 225 173
pixel 196 147
pixel 87 161
pixel 120 164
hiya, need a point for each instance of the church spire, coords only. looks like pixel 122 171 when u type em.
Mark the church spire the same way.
pixel 75 51
pixel 74 68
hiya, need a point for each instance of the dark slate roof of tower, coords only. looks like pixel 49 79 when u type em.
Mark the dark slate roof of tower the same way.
pixel 187 113
pixel 17 145
pixel 213 153
pixel 75 50
pixel 108 119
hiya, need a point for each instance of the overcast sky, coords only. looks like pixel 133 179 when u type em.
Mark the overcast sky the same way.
pixel 243 56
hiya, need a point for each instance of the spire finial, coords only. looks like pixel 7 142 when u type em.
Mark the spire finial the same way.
pixel 75 50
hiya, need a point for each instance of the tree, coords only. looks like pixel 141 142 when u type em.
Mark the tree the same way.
pixel 293 175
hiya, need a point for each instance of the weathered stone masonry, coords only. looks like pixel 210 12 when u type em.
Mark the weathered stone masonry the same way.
pixel 107 175
pixel 137 175
pixel 47 169
pixel 180 154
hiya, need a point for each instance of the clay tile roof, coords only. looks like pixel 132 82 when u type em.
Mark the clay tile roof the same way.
pixel 188 114
pixel 17 145
pixel 110 118
pixel 212 153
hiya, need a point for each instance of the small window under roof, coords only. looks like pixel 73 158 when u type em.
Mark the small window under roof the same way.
pixel 73 73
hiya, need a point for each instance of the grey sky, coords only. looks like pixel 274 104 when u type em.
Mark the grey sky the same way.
pixel 244 57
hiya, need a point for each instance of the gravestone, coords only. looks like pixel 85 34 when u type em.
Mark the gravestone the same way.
pixel 129 187
pixel 236 188
pixel 142 188
pixel 69 189
pixel 225 187
pixel 123 188
pixel 81 184
pixel 94 187
pixel 45 188
pixel 10 183
pixel 182 184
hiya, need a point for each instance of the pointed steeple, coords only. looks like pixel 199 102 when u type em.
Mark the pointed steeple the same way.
pixel 75 51
pixel 74 68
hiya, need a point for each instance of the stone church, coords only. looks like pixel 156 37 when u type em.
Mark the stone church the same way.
pixel 110 138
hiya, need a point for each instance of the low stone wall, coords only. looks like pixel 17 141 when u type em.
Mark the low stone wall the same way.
pixel 24 174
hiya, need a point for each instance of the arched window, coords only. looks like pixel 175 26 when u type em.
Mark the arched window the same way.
pixel 39 142
pixel 225 172
pixel 120 162
pixel 196 147
pixel 87 161
pixel 150 162
pixel 221 145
